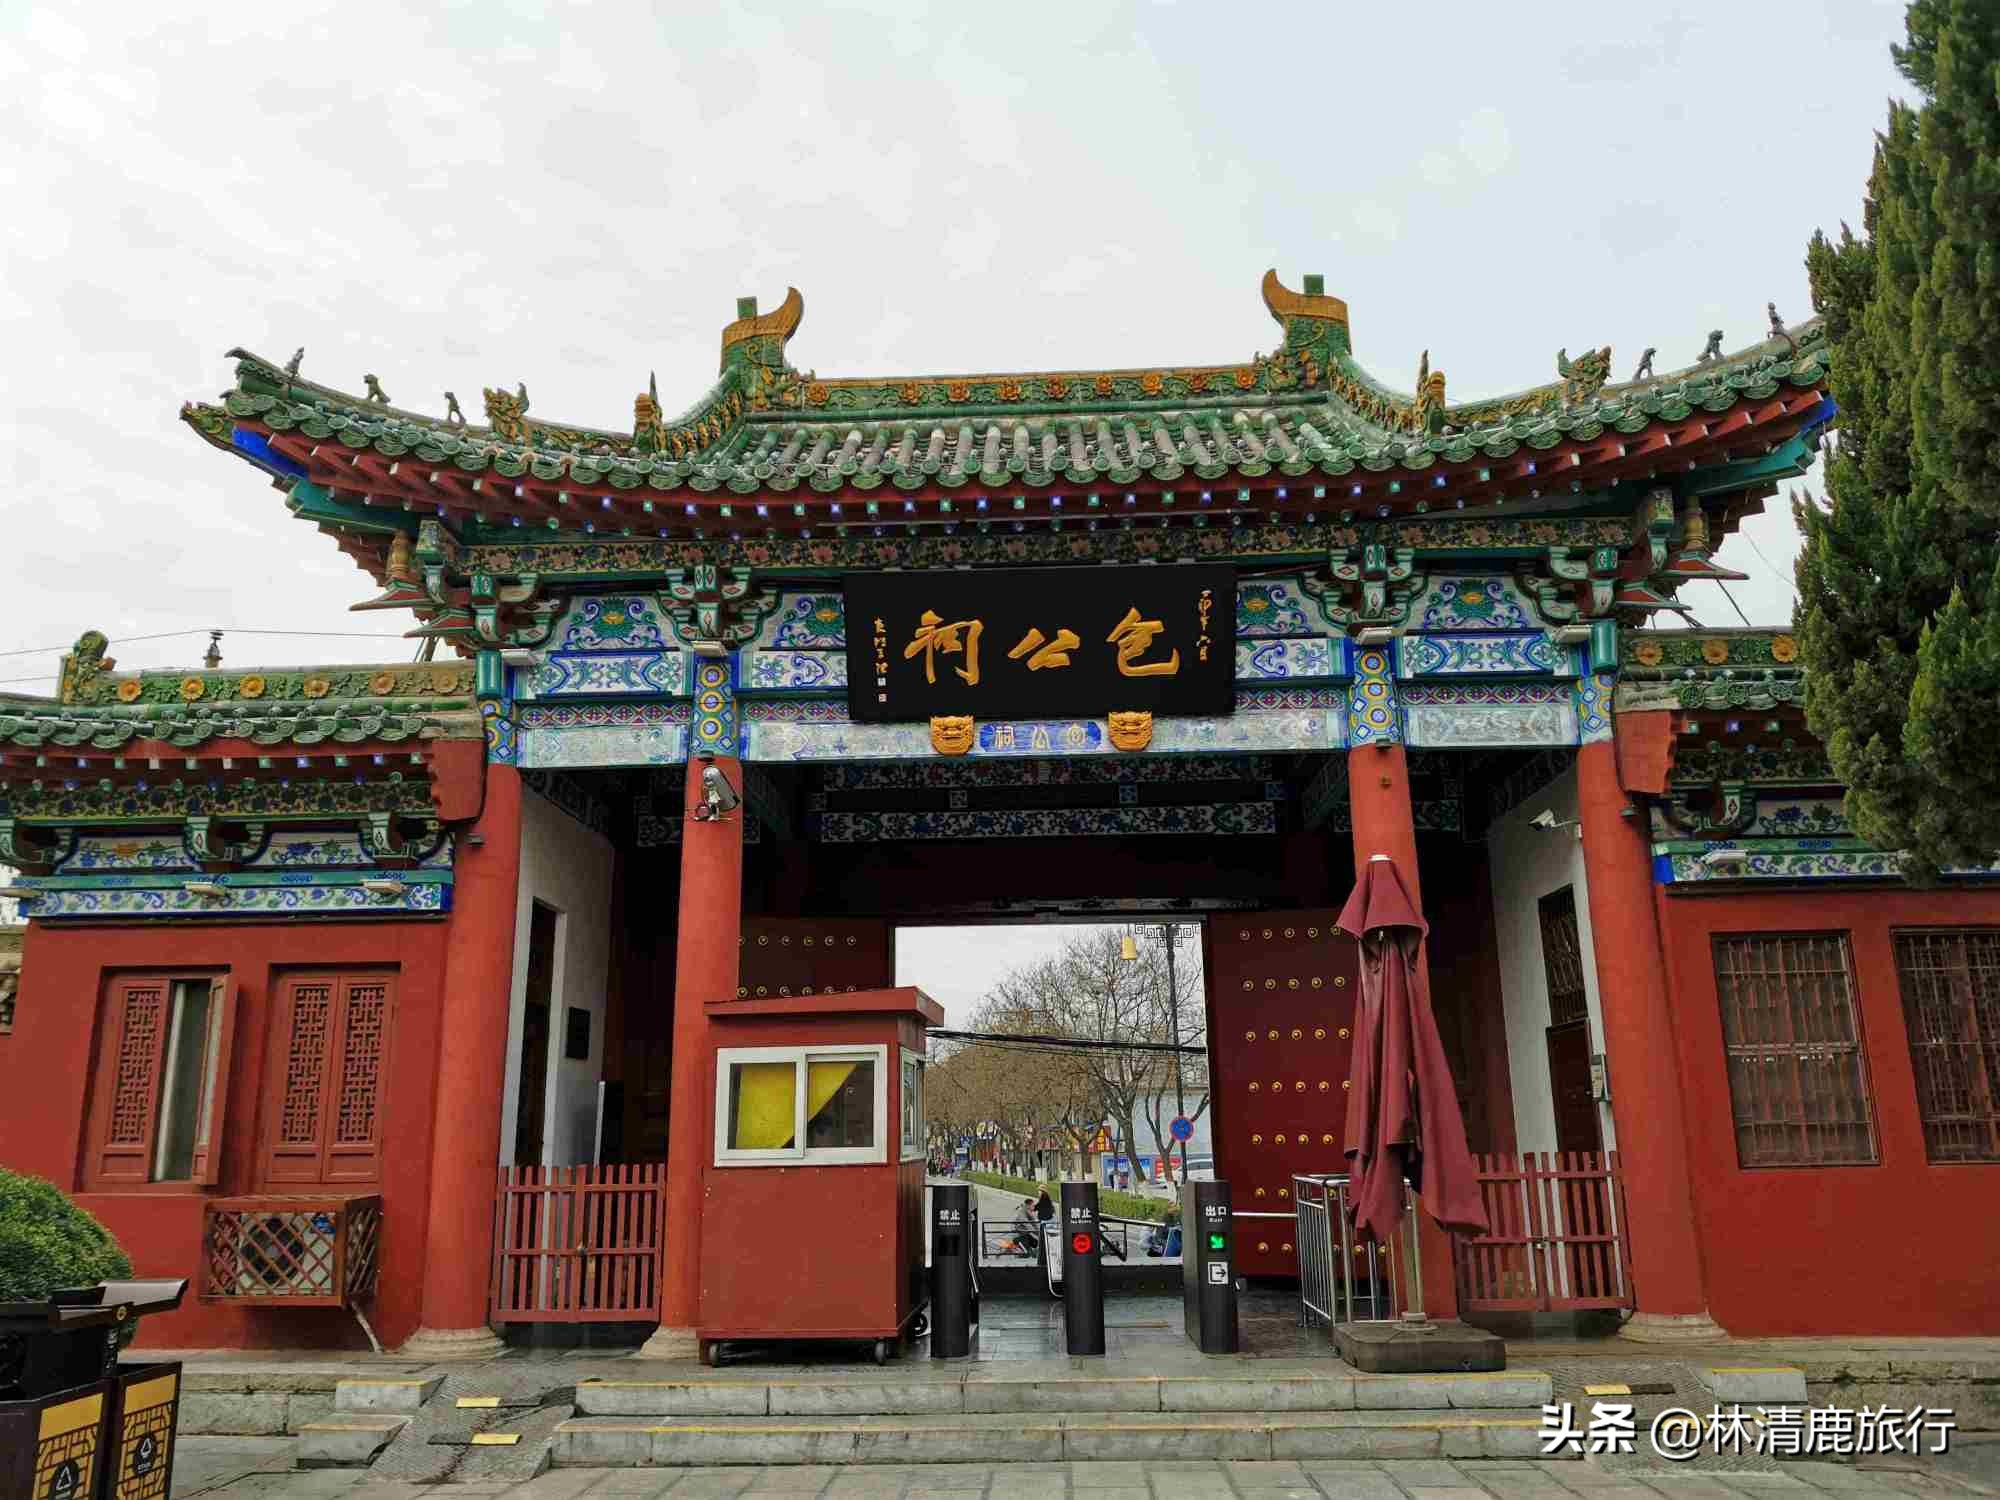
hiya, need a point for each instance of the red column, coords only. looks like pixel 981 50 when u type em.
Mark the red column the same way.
pixel 707 961
pixel 1643 1060
pixel 472 1060
pixel 1378 795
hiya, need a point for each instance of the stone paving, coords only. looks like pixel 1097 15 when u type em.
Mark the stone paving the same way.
pixel 241 1469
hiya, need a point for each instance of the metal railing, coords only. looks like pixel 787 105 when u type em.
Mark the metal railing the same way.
pixel 1333 1257
pixel 994 1239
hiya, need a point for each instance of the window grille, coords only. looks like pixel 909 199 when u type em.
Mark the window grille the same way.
pixel 1562 957
pixel 324 1124
pixel 1951 1006
pixel 163 1080
pixel 1797 1081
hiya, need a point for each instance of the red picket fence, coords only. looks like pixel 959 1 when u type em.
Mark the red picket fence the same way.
pixel 1556 1237
pixel 579 1244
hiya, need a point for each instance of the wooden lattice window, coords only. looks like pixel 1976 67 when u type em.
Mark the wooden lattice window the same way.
pixel 1562 957
pixel 1797 1080
pixel 162 1080
pixel 1951 1005
pixel 329 1045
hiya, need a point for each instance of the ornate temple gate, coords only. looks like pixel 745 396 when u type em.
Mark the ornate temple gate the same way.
pixel 1556 1239
pixel 1282 988
pixel 579 1244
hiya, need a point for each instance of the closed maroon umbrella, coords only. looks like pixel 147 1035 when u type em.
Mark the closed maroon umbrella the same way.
pixel 1402 1108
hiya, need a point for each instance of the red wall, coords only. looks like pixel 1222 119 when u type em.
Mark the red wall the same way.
pixel 46 1076
pixel 1902 1247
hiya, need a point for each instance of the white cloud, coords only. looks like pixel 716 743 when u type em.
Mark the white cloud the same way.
pixel 1484 142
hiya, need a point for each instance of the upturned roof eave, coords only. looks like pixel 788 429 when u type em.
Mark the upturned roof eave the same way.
pixel 599 447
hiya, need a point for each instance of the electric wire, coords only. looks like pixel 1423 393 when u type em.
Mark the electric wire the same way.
pixel 1734 605
pixel 1788 583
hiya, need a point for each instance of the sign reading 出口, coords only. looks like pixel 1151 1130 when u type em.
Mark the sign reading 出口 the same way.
pixel 1028 643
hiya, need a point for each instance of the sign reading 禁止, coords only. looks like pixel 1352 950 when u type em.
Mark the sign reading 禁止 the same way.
pixel 1028 643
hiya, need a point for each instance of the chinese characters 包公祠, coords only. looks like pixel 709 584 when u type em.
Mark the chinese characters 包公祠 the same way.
pixel 1132 636
pixel 1040 644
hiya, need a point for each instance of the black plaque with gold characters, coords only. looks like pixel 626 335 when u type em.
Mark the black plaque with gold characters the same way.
pixel 1028 643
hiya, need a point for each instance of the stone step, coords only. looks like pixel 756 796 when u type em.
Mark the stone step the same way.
pixel 994 1437
pixel 367 1395
pixel 1754 1385
pixel 347 1441
pixel 912 1395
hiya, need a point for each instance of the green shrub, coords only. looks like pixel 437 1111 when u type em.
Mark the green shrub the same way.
pixel 47 1242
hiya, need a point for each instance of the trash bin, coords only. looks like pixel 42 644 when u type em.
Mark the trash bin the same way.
pixel 52 1447
pixel 60 1388
pixel 139 1438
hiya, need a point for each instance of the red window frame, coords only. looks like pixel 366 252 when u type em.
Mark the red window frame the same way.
pixel 1950 983
pixel 324 1094
pixel 136 1011
pixel 1793 1046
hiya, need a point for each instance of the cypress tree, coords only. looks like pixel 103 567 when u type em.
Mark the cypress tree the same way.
pixel 1899 579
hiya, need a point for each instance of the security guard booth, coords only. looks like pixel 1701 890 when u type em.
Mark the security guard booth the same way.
pixel 813 1204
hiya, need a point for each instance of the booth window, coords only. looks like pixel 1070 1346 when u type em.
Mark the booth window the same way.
pixel 1798 1083
pixel 162 1080
pixel 913 1106
pixel 779 1105
pixel 1951 1008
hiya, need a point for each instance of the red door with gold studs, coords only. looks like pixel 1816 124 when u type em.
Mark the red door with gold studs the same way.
pixel 1282 987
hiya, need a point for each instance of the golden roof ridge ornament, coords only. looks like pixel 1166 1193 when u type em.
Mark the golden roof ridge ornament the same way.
pixel 780 323
pixel 1286 304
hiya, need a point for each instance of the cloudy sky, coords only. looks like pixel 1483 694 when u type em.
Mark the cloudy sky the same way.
pixel 573 195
